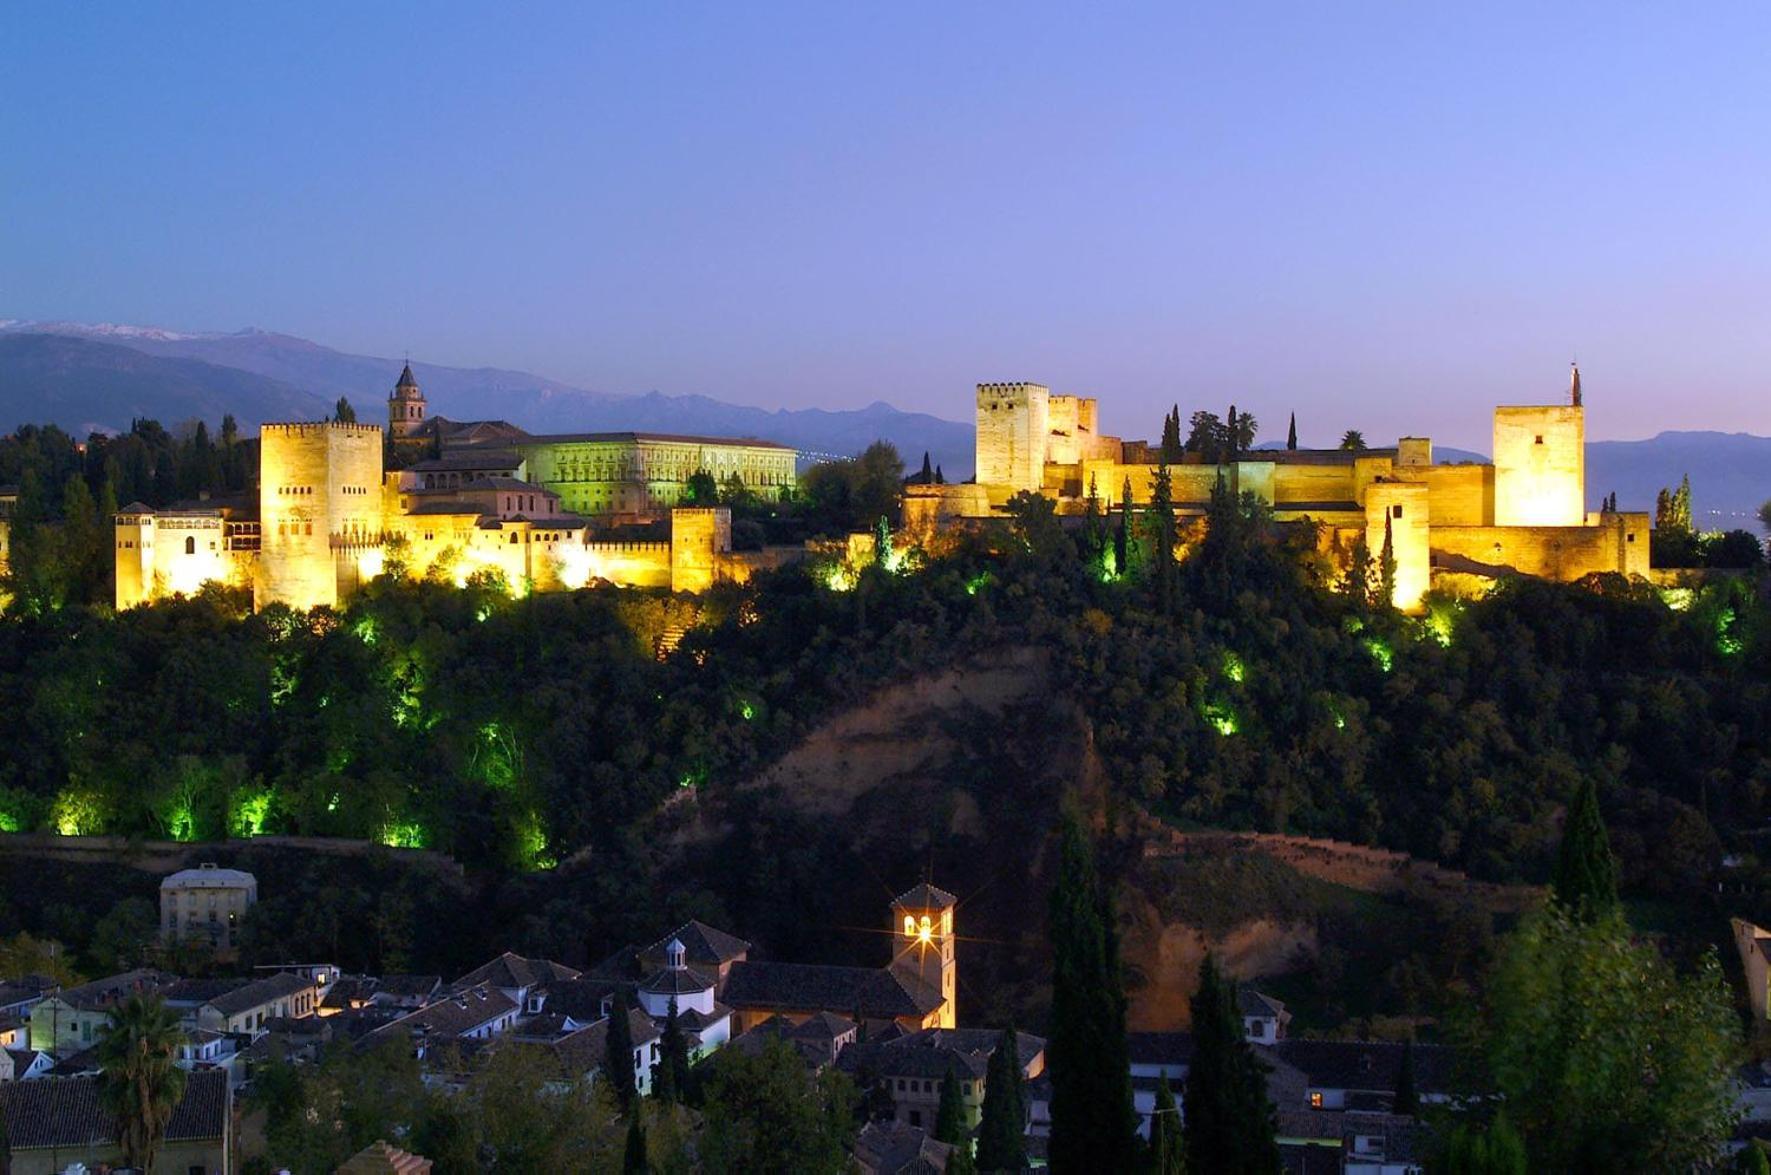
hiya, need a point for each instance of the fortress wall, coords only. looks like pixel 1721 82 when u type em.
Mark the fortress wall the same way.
pixel 628 564
pixel 929 508
pixel 1313 483
pixel 174 571
pixel 1553 552
pixel 1539 466
pixel 699 536
pixel 1462 495
pixel 315 480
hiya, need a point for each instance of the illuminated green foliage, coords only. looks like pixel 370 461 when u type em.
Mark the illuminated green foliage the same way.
pixel 248 809
pixel 1233 667
pixel 1221 717
pixel 402 834
pixel 9 821
pixel 78 812
pixel 1380 652
pixel 1440 622
pixel 978 583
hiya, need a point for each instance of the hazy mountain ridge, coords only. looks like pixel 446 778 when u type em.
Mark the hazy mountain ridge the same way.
pixel 534 402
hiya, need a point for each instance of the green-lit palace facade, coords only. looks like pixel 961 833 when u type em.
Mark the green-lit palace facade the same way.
pixel 638 474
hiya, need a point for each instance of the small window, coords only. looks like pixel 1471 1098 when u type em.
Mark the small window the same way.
pixel 1315 1100
pixel 1629 538
pixel 1395 511
pixel 190 545
pixel 1540 438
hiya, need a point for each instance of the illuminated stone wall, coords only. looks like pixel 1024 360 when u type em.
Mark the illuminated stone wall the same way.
pixel 699 537
pixel 316 482
pixel 929 508
pixel 1403 507
pixel 1618 543
pixel 1539 466
pixel 1013 426
pixel 173 552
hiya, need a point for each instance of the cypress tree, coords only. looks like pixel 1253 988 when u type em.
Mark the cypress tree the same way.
pixel 1162 529
pixel 1093 1123
pixel 1291 435
pixel 928 471
pixel 940 478
pixel 1168 1150
pixel 1585 881
pixel 1232 434
pixel 633 1162
pixel 1386 566
pixel 1002 1144
pixel 1229 1127
pixel 882 541
pixel 1171 437
pixel 1121 539
pixel 950 1124
pixel 670 1076
pixel 618 1053
pixel 1407 1101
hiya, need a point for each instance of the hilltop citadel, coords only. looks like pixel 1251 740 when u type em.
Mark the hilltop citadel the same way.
pixel 486 496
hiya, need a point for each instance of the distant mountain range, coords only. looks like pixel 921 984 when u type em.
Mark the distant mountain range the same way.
pixel 84 377
pixel 100 377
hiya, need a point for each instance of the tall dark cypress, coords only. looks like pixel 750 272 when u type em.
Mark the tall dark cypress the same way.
pixel 1585 880
pixel 1093 1123
pixel 618 1053
pixel 928 471
pixel 633 1160
pixel 1122 537
pixel 1002 1141
pixel 1168 1150
pixel 670 1076
pixel 1407 1100
pixel 950 1125
pixel 1291 434
pixel 1162 533
pixel 1229 1122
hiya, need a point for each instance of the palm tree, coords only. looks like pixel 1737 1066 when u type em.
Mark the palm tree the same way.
pixel 139 1080
pixel 1353 440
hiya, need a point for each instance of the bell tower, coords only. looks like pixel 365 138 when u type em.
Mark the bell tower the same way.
pixel 405 407
pixel 922 945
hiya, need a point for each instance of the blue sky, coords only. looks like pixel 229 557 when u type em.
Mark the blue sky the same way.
pixel 1384 216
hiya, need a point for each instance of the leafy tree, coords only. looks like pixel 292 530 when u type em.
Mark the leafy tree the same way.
pixel 1168 1146
pixel 1230 1125
pixel 1585 881
pixel 343 412
pixel 124 936
pixel 701 489
pixel 765 1112
pixel 1352 440
pixel 1002 1143
pixel 618 1054
pixel 1765 515
pixel 1206 436
pixel 139 1079
pixel 1239 432
pixel 1607 1058
pixel 1291 433
pixel 882 541
pixel 1753 1160
pixel 1093 1124
pixel 1469 1150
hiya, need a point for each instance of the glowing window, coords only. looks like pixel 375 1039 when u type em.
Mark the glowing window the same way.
pixel 1315 1101
pixel 909 926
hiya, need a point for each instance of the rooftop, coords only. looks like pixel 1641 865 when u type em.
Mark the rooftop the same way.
pixel 925 897
pixel 66 1112
pixel 866 991
pixel 209 876
pixel 568 438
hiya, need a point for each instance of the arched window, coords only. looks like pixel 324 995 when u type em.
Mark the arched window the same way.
pixel 190 545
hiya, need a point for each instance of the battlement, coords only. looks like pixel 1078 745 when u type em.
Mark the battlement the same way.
pixel 302 428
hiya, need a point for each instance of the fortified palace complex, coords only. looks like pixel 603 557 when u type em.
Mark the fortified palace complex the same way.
pixel 481 496
pixel 487 496
pixel 1523 514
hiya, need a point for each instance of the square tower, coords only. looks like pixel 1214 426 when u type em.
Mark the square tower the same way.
pixel 922 945
pixel 1013 428
pixel 319 488
pixel 1540 466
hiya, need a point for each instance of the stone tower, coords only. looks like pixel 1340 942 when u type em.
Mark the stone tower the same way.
pixel 319 496
pixel 1540 463
pixel 1014 427
pixel 405 407
pixel 922 945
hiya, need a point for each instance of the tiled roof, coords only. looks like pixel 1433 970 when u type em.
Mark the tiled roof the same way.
pixel 702 944
pixel 677 981
pixel 1250 1002
pixel 194 992
pixel 925 897
pixel 66 1112
pixel 928 1053
pixel 894 1148
pixel 409 985
pixel 457 460
pixel 636 437
pixel 208 877
pixel 867 991
pixel 1365 1064
pixel 259 992
pixel 581 999
pixel 1159 1048
pixel 512 970
pixel 450 1016
pixel 102 993
pixel 503 483
pixel 584 1050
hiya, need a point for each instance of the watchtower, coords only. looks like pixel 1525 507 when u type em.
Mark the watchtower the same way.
pixel 405 407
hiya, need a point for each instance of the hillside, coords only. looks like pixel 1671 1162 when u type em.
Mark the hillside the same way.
pixel 531 401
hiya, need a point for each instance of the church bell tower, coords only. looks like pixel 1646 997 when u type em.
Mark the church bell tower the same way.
pixel 405 407
pixel 922 945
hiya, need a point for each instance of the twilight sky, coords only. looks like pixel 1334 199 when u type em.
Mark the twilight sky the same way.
pixel 1380 215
